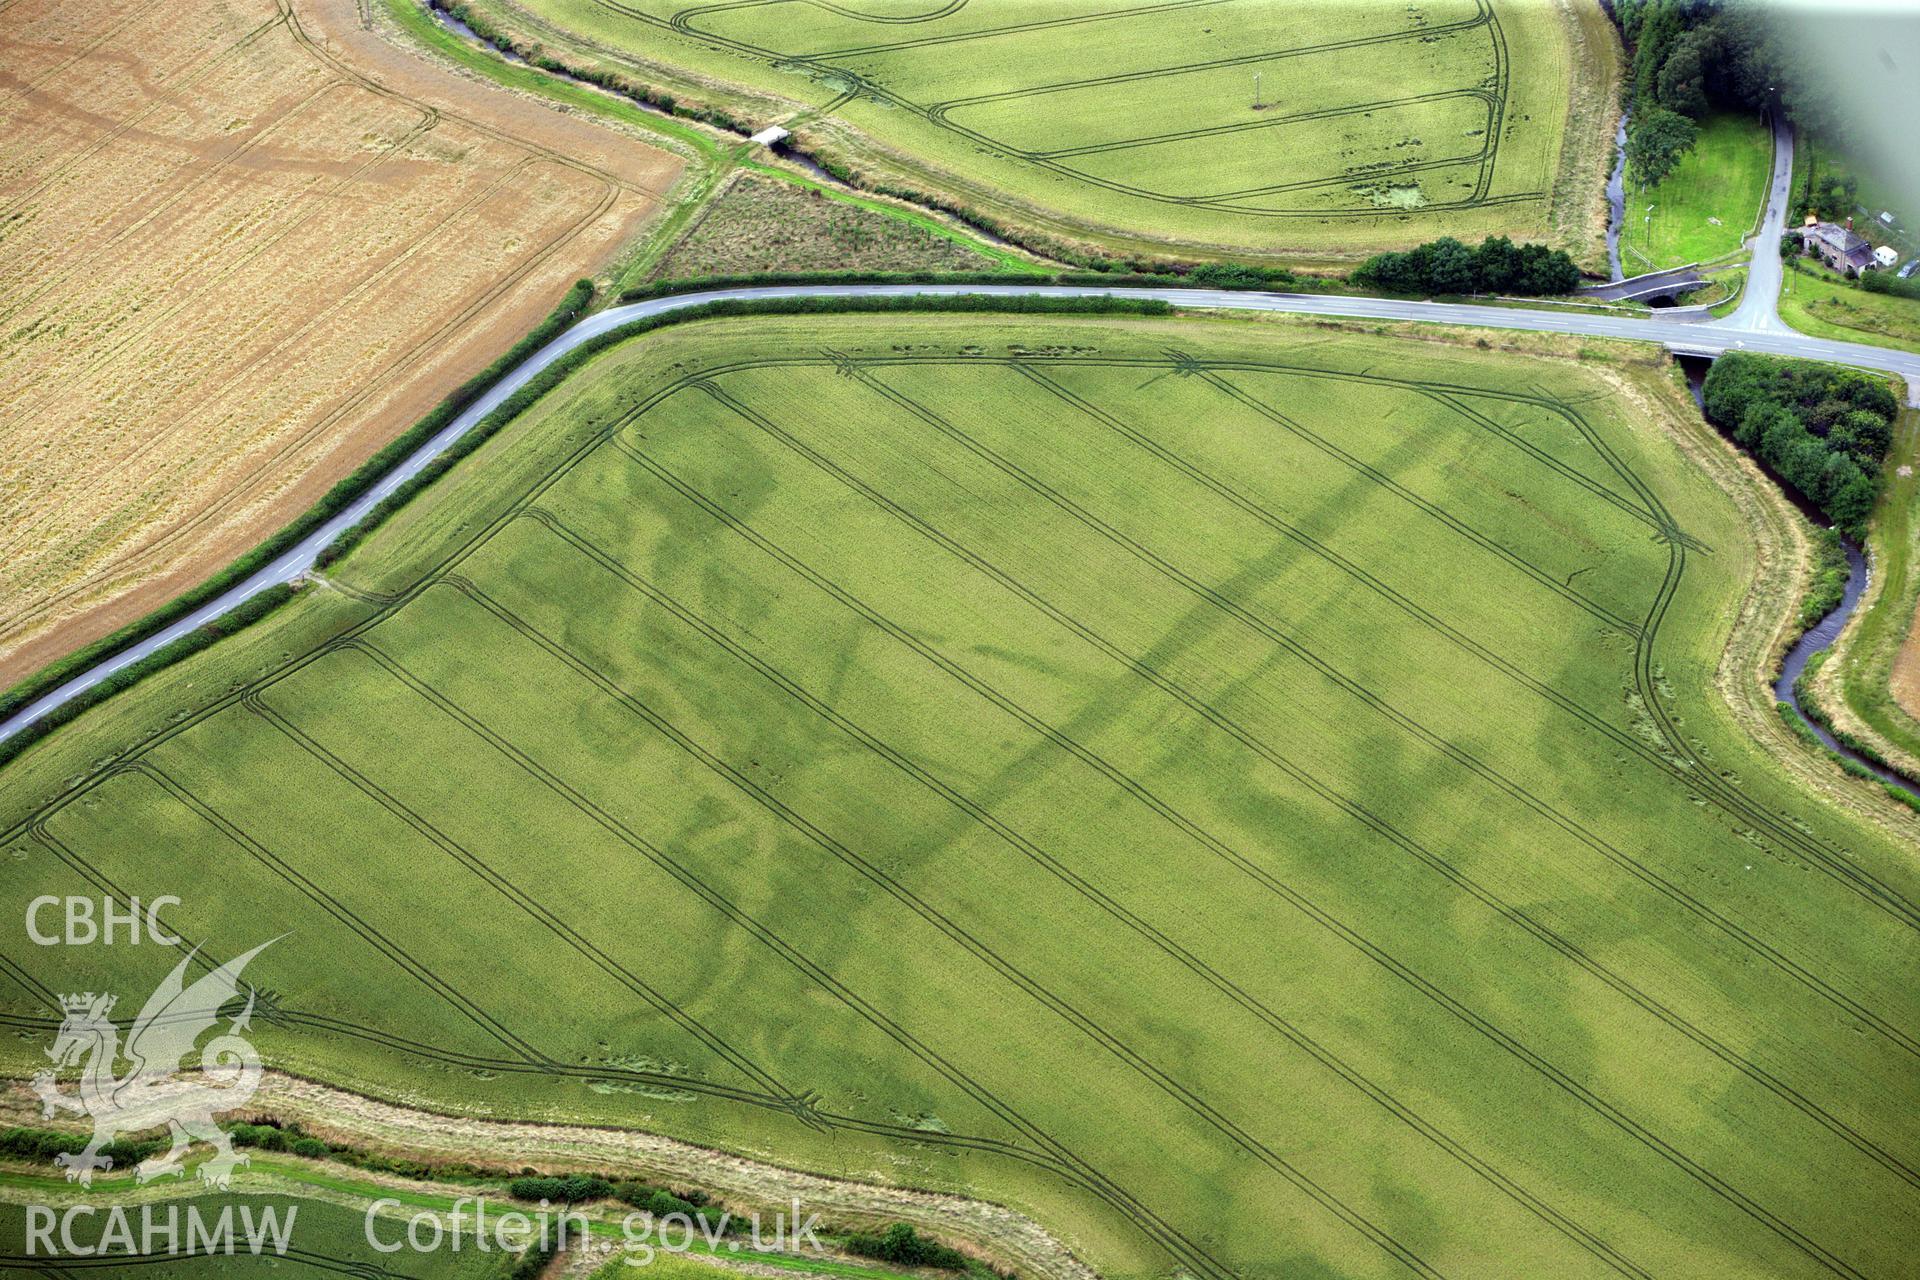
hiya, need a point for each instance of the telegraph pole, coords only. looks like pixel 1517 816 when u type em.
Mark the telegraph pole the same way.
pixel 1256 91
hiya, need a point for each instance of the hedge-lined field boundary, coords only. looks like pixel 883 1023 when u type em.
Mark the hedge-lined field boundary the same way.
pixel 1201 276
pixel 363 477
pixel 369 473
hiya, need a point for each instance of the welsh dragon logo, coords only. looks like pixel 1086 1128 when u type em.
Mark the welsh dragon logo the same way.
pixel 152 1093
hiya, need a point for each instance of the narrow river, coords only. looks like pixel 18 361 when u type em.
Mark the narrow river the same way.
pixel 1819 636
pixel 1617 198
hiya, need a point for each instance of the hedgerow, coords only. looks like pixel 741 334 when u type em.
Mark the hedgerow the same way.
pixel 368 473
pixel 1888 282
pixel 574 1188
pixel 335 500
pixel 901 1244
pixel 248 611
pixel 44 1144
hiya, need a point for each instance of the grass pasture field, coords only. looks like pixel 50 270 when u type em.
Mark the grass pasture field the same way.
pixel 242 245
pixel 1250 794
pixel 1708 205
pixel 1815 301
pixel 1142 125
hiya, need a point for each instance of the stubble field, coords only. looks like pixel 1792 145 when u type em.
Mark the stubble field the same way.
pixel 1327 129
pixel 242 246
pixel 1250 796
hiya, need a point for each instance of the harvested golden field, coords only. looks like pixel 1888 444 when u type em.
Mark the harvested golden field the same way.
pixel 241 246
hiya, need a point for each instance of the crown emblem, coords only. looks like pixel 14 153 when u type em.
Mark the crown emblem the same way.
pixel 87 1002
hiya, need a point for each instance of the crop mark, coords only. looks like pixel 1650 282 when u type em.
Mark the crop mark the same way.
pixel 1154 1227
pixel 424 974
pixel 1054 866
pixel 1640 1133
pixel 1696 773
pixel 823 63
pixel 1331 795
pixel 957 933
pixel 189 297
pixel 1481 1025
pixel 247 485
pixel 1639 870
pixel 519 897
pixel 1076 1174
pixel 212 62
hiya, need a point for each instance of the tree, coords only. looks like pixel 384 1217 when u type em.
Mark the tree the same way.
pixel 1833 195
pixel 1802 464
pixel 1681 83
pixel 1656 140
pixel 1861 435
pixel 1823 413
pixel 1866 392
pixel 1500 265
pixel 1761 417
pixel 1450 267
pixel 1782 436
pixel 1836 473
pixel 1546 272
pixel 1853 504
pixel 1733 383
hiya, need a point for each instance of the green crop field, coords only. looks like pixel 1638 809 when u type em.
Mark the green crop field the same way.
pixel 1249 794
pixel 1327 128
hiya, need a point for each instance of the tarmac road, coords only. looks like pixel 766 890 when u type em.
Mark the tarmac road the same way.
pixel 1754 326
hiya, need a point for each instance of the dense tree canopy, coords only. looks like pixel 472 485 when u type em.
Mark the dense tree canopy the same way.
pixel 1823 430
pixel 1447 265
pixel 1691 57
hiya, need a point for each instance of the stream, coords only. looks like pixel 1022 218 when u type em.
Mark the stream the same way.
pixel 466 32
pixel 1822 634
pixel 1617 198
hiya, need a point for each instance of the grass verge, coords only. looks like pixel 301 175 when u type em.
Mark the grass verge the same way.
pixel 1821 305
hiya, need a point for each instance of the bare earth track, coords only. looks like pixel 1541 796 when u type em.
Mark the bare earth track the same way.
pixel 195 193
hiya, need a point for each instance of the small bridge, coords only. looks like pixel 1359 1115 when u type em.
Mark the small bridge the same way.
pixel 1654 284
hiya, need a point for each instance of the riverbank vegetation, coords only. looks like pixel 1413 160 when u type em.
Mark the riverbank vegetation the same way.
pixel 901 619
pixel 1822 429
pixel 1872 687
